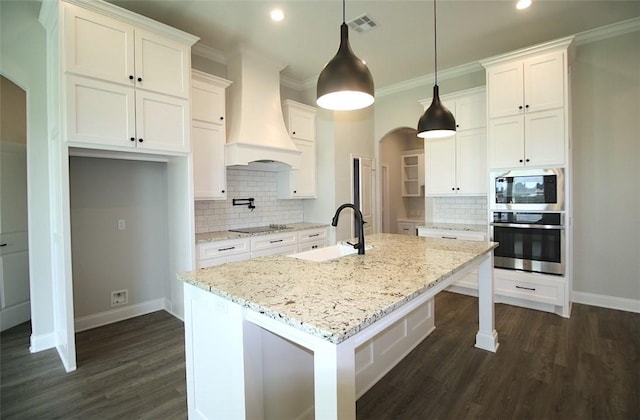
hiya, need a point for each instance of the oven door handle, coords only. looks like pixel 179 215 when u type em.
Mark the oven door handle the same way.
pixel 527 226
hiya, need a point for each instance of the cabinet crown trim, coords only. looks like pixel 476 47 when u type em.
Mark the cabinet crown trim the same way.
pixel 558 44
pixel 210 78
pixel 143 22
pixel 453 95
pixel 299 105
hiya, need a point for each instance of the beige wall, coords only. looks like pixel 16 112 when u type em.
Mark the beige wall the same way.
pixel 13 112
pixel 106 259
pixel 606 161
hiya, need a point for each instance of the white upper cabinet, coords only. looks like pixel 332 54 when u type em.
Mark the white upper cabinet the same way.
pixel 105 48
pixel 127 88
pixel 208 136
pixel 528 107
pixel 300 120
pixel 457 165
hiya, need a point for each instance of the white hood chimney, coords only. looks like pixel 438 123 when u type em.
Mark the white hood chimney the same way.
pixel 256 126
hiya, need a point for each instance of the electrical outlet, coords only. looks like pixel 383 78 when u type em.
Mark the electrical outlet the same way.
pixel 122 225
pixel 119 297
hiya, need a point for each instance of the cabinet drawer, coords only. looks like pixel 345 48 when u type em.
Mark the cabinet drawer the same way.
pixel 407 228
pixel 13 242
pixel 535 289
pixel 452 234
pixel 308 246
pixel 280 250
pixel 222 248
pixel 273 241
pixel 312 235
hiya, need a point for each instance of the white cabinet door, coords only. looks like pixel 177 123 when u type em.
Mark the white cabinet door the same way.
pixel 162 65
pixel 100 113
pixel 505 89
pixel 471 111
pixel 207 102
pixel 471 162
pixel 301 183
pixel 407 228
pixel 162 122
pixel 544 82
pixel 506 142
pixel 300 120
pixel 544 138
pixel 440 166
pixel 98 46
pixel 209 170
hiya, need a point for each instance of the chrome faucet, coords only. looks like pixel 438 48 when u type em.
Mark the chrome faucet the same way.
pixel 334 222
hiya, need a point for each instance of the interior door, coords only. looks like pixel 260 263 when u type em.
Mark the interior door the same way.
pixel 362 176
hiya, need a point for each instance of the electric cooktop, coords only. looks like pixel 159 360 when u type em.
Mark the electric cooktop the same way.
pixel 260 229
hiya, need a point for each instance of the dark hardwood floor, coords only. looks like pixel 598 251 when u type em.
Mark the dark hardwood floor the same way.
pixel 547 367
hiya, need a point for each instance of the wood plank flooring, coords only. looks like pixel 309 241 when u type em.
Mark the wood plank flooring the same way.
pixel 547 367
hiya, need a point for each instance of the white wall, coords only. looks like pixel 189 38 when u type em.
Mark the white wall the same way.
pixel 218 215
pixel 106 259
pixel 606 161
pixel 22 59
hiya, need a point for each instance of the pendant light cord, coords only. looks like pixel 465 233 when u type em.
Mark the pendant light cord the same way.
pixel 343 11
pixel 435 42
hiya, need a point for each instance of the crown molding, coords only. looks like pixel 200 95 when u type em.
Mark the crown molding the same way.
pixel 608 31
pixel 205 51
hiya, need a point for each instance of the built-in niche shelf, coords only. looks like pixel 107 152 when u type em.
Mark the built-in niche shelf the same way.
pixel 412 167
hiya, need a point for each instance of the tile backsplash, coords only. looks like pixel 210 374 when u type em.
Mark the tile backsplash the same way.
pixel 212 216
pixel 464 210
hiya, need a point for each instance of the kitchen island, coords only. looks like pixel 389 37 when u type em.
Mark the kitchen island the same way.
pixel 326 308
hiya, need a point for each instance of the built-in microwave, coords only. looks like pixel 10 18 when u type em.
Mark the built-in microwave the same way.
pixel 527 190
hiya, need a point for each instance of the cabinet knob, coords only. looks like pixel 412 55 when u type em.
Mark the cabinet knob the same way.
pixel 520 160
pixel 453 189
pixel 295 192
pixel 221 118
pixel 526 160
pixel 526 106
pixel 520 107
pixel 457 125
pixel 222 191
pixel 457 188
pixel 133 139
pixel 131 77
pixel 140 140
pixel 139 79
pixel 293 132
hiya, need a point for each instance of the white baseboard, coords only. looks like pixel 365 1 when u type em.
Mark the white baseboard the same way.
pixel 42 342
pixel 15 315
pixel 604 301
pixel 120 314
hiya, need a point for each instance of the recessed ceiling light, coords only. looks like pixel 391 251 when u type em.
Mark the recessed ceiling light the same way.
pixel 277 15
pixel 523 4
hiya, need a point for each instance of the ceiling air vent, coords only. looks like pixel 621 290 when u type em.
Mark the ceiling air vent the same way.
pixel 362 23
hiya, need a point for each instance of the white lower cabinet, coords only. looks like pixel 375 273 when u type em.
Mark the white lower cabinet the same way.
pixel 468 284
pixel 240 249
pixel 531 287
pixel 220 252
pixel 407 228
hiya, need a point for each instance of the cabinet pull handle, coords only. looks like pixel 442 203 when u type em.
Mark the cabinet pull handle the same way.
pixel 139 79
pixel 275 241
pixel 448 237
pixel 133 139
pixel 526 160
pixel 295 192
pixel 221 118
pixel 140 140
pixel 533 289
pixel 294 132
pixel 520 160
pixel 457 188
pixel 520 107
pixel 5 244
pixel 526 106
pixel 226 249
pixel 222 191
pixel 131 77
pixel 453 189
pixel 314 235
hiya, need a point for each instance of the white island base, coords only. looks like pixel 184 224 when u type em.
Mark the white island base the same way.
pixel 242 364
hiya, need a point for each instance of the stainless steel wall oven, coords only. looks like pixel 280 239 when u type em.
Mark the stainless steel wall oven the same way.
pixel 529 241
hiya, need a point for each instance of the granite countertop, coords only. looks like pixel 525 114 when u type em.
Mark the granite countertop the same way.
pixel 336 299
pixel 225 234
pixel 455 226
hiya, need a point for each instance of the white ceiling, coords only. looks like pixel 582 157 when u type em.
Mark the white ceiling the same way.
pixel 401 48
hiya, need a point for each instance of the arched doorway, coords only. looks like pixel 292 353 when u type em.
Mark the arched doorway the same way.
pixel 394 204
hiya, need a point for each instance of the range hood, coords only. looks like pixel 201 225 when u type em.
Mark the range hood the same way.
pixel 257 134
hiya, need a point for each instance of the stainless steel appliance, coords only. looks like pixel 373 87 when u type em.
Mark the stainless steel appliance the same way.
pixel 527 190
pixel 529 241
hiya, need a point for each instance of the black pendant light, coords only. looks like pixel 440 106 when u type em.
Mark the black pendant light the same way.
pixel 437 121
pixel 345 83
